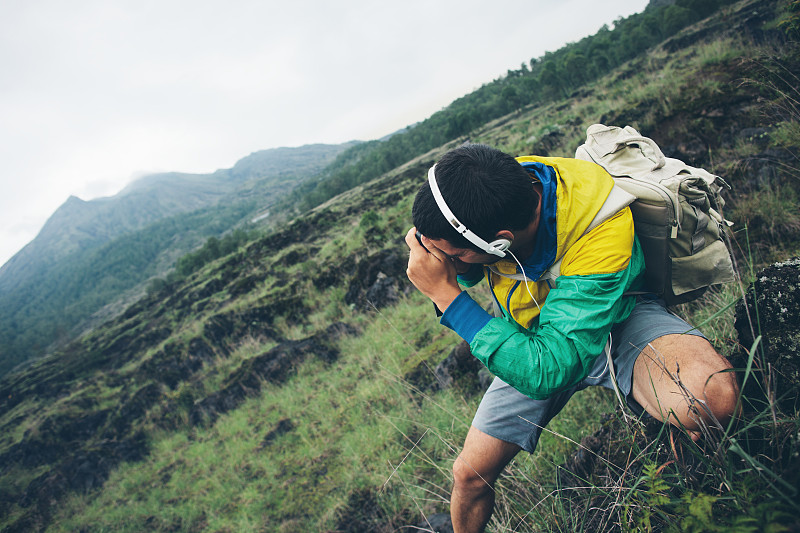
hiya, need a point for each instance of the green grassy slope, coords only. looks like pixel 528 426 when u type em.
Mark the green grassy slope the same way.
pixel 289 386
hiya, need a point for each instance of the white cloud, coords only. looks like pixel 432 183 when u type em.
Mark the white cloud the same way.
pixel 94 92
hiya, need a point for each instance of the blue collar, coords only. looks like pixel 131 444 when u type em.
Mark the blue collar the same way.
pixel 546 246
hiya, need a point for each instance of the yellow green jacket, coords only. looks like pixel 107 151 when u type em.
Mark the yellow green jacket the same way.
pixel 541 347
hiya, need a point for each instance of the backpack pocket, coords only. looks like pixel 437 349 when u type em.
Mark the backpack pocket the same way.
pixel 691 273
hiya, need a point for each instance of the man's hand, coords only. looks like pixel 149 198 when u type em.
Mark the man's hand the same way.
pixel 431 271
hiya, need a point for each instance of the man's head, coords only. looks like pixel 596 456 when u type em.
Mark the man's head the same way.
pixel 487 190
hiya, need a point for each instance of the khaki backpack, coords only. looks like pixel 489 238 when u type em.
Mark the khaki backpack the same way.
pixel 676 212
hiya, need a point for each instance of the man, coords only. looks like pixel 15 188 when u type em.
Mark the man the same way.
pixel 509 220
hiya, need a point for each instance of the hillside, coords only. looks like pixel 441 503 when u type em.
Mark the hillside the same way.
pixel 105 273
pixel 90 254
pixel 294 384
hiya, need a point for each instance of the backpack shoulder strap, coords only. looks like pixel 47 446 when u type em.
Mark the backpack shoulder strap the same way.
pixel 617 200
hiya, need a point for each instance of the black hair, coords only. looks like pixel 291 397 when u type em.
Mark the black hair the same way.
pixel 487 190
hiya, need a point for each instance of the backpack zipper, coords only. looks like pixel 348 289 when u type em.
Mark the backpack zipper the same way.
pixel 662 191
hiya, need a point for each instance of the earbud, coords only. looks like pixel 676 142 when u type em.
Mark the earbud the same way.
pixel 501 245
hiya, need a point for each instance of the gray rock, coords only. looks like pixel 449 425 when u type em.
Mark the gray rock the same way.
pixel 772 310
pixel 438 523
pixel 460 369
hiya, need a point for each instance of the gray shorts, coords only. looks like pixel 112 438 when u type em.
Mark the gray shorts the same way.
pixel 509 415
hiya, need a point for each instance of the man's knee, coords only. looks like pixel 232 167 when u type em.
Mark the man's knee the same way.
pixel 713 386
pixel 467 479
pixel 481 461
pixel 721 394
pixel 684 376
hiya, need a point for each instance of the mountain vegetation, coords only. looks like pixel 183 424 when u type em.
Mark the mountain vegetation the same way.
pixel 91 258
pixel 293 380
pixel 38 307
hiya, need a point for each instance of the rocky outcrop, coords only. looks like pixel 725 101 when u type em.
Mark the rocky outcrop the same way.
pixel 283 426
pixel 78 467
pixel 438 523
pixel 379 280
pixel 363 513
pixel 81 450
pixel 460 370
pixel 771 311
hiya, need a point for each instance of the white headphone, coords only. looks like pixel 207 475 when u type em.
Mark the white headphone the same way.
pixel 497 247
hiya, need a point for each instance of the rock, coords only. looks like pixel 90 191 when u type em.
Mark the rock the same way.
pixel 775 294
pixel 548 142
pixel 171 365
pixel 756 136
pixel 333 274
pixel 134 409
pixel 438 523
pixel 218 329
pixel 763 169
pixel 224 330
pixel 383 292
pixel 361 513
pixel 689 148
pixel 283 426
pixel 245 285
pixel 460 369
pixel 81 470
pixel 379 280
pixel 579 466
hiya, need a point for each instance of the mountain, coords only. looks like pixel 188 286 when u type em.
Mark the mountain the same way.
pixel 30 324
pixel 299 383
pixel 78 225
pixel 89 253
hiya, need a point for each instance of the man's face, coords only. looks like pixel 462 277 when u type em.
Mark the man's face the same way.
pixel 463 256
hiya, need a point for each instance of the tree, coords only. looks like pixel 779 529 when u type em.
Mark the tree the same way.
pixel 576 68
pixel 699 8
pixel 511 97
pixel 674 18
pixel 549 78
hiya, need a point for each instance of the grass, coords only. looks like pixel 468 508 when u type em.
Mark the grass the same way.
pixel 356 442
pixel 358 427
pixel 348 422
pixel 773 211
pixel 713 314
pixel 740 477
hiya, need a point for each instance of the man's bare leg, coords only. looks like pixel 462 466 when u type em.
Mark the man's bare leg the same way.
pixel 701 373
pixel 474 473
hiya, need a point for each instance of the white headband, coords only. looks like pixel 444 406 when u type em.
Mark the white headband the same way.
pixel 496 248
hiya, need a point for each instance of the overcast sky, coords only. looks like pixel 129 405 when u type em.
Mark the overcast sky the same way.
pixel 94 93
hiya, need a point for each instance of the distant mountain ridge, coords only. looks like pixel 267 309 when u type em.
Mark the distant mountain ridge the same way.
pixel 134 235
pixel 79 223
